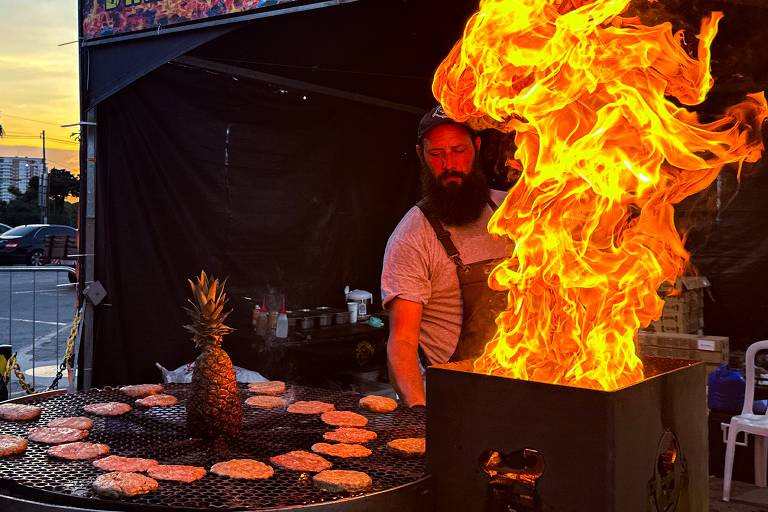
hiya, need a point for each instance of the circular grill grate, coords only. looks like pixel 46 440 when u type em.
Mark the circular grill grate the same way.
pixel 159 433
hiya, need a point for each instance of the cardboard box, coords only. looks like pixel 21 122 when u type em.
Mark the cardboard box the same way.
pixel 712 350
pixel 683 306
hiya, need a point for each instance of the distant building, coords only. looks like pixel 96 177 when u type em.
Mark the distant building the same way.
pixel 16 171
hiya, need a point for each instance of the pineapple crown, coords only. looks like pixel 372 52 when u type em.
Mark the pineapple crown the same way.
pixel 207 311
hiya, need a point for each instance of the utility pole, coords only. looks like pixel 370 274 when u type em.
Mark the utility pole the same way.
pixel 44 187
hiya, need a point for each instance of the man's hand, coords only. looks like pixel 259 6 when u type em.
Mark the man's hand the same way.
pixel 402 351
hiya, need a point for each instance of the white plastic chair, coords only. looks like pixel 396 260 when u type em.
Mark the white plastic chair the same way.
pixel 749 423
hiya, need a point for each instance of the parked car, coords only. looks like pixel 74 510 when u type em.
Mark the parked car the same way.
pixel 4 227
pixel 26 244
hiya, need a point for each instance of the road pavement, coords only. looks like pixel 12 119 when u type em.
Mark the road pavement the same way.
pixel 36 311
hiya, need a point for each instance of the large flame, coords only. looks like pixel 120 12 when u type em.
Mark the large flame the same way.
pixel 606 154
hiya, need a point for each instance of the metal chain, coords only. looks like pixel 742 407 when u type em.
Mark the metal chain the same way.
pixel 13 365
pixel 68 352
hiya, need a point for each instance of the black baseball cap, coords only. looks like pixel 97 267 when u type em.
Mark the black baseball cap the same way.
pixel 436 117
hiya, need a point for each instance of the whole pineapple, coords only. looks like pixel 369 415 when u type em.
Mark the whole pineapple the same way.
pixel 213 407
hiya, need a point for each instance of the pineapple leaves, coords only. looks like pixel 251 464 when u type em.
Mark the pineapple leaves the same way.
pixel 207 311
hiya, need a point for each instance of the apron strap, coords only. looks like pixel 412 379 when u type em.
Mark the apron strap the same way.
pixel 443 236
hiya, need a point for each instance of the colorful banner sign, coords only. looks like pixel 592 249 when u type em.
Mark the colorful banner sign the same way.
pixel 112 17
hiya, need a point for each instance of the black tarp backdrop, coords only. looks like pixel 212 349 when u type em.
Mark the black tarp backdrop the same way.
pixel 277 188
pixel 200 170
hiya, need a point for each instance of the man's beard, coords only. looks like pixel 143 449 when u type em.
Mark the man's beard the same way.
pixel 455 204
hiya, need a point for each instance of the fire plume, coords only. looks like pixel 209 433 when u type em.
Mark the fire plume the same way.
pixel 606 154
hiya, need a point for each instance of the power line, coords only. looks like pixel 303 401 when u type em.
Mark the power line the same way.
pixel 30 119
pixel 13 135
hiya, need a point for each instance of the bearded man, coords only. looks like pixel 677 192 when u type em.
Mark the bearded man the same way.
pixel 437 260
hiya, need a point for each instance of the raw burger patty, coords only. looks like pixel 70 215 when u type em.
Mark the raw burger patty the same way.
pixel 56 435
pixel 142 390
pixel 78 422
pixel 12 445
pixel 378 403
pixel 265 402
pixel 341 480
pixel 408 447
pixel 125 464
pixel 310 407
pixel 78 451
pixel 350 435
pixel 120 484
pixel 343 450
pixel 176 472
pixel 19 412
pixel 272 387
pixel 107 408
pixel 301 461
pixel 245 469
pixel 344 419
pixel 157 401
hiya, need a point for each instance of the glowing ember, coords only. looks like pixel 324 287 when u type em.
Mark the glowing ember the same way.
pixel 605 157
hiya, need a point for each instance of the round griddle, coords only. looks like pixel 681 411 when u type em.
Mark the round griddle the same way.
pixel 159 433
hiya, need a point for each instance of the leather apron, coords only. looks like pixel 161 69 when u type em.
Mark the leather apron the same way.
pixel 480 304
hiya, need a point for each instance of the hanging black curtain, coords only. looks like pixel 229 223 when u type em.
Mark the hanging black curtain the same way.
pixel 280 189
pixel 277 190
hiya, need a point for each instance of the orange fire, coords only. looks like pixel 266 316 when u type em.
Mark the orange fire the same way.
pixel 606 154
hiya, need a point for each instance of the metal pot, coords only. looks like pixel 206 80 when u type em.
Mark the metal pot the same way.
pixel 324 316
pixel 307 322
pixel 342 317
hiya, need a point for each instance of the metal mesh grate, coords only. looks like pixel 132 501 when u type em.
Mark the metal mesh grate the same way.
pixel 159 433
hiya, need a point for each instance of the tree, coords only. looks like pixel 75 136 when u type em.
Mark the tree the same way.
pixel 62 184
pixel 23 208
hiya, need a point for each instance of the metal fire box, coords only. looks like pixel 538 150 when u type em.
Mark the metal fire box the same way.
pixel 501 444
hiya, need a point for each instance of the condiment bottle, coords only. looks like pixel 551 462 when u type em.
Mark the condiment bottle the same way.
pixel 262 326
pixel 282 323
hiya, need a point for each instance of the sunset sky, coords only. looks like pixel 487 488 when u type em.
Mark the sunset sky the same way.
pixel 38 79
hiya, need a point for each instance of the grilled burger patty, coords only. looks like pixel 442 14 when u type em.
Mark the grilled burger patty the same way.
pixel 408 447
pixel 124 464
pixel 142 390
pixel 12 445
pixel 108 408
pixel 272 387
pixel 244 469
pixel 265 402
pixel 310 407
pixel 343 450
pixel 19 412
pixel 161 400
pixel 120 484
pixel 78 422
pixel 56 435
pixel 78 451
pixel 341 480
pixel 176 472
pixel 301 461
pixel 380 404
pixel 350 435
pixel 344 419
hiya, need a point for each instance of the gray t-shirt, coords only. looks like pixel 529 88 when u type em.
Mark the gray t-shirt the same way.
pixel 417 268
